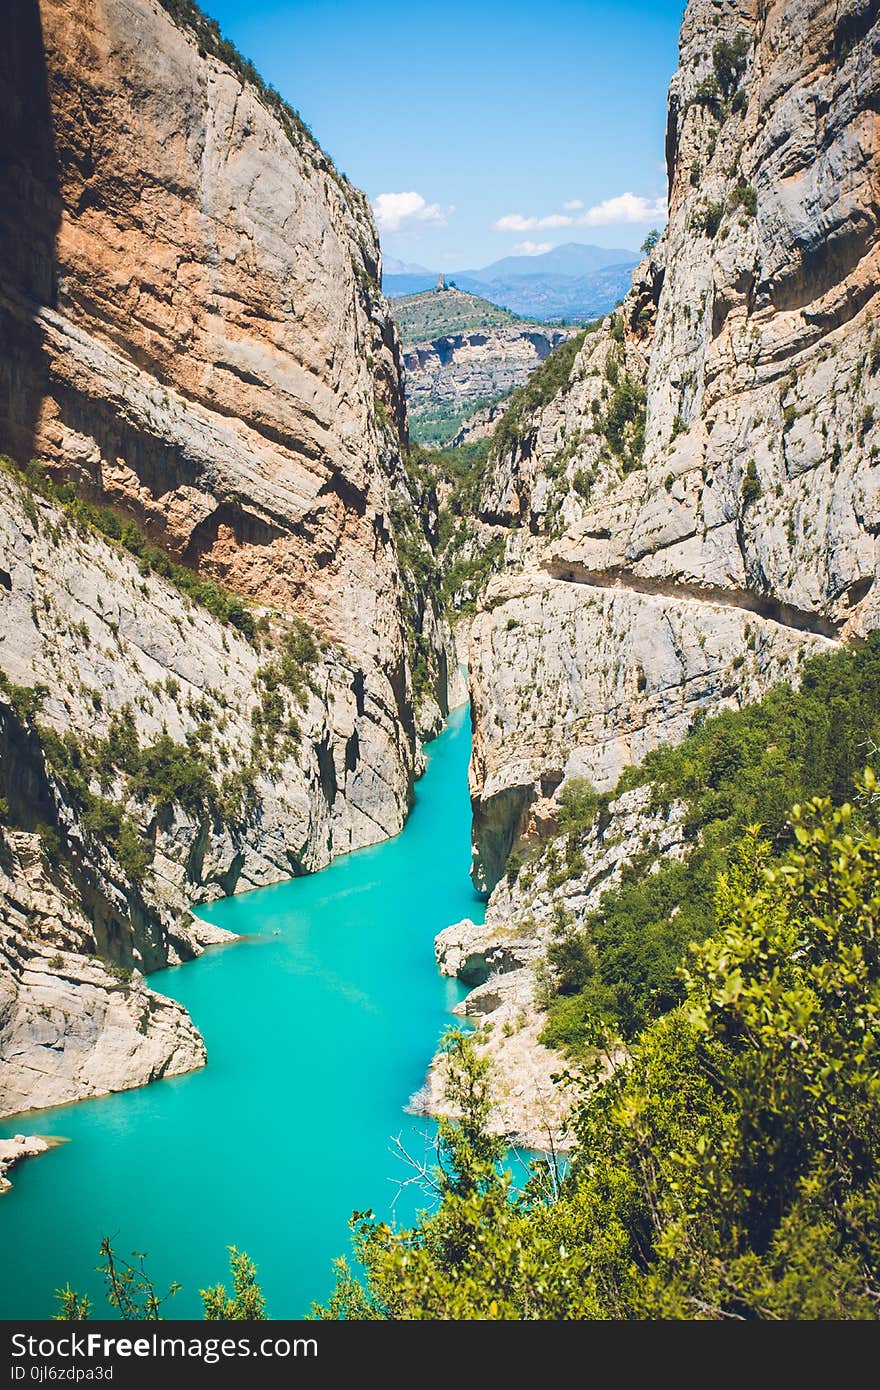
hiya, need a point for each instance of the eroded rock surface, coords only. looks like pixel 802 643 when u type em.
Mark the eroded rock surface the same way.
pixel 192 335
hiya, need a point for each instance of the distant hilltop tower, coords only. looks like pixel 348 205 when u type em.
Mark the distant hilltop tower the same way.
pixel 441 281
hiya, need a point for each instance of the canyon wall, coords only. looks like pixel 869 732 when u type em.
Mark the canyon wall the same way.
pixel 697 506
pixel 693 512
pixel 192 338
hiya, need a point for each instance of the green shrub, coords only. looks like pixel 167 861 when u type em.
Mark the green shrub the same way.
pixel 744 196
pixel 727 1172
pixel 729 58
pixel 151 558
pixel 623 420
pixel 751 487
pixel 709 220
pixel 579 804
pixel 743 767
pixel 540 388
pixel 707 91
pixel 172 774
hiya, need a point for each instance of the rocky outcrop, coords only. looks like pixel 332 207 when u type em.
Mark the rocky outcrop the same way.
pixel 193 337
pixel 698 505
pixel 203 343
pixel 503 958
pixel 459 372
pixel 696 508
pixel 13 1150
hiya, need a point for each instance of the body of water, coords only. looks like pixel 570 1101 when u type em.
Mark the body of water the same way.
pixel 319 1025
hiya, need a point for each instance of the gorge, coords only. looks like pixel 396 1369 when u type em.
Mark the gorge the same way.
pixel 236 602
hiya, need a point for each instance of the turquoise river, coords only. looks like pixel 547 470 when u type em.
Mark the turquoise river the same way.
pixel 320 1025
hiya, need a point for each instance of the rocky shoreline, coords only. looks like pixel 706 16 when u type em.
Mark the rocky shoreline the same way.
pixel 19 1147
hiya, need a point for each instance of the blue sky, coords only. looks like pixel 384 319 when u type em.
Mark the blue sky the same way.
pixel 540 117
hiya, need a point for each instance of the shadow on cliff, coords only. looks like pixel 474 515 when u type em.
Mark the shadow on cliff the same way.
pixel 30 211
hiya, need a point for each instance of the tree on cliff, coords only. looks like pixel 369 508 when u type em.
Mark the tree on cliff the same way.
pixel 729 1170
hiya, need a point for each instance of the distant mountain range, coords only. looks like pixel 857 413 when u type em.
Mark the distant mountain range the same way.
pixel 572 281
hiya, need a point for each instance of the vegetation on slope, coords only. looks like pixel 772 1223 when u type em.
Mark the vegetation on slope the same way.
pixel 187 14
pixel 151 558
pixel 543 384
pixel 621 966
pixel 114 782
pixel 463 561
pixel 434 313
pixel 731 1170
pixel 434 425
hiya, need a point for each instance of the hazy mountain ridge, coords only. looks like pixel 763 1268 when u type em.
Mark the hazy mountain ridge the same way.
pixel 573 281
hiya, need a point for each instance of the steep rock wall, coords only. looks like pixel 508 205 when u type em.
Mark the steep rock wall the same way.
pixel 698 504
pixel 192 334
pixel 459 371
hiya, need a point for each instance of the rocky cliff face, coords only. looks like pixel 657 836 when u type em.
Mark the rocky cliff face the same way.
pixel 698 505
pixel 456 373
pixel 696 509
pixel 193 336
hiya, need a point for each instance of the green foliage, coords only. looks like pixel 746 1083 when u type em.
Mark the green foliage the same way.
pixel 707 92
pixel 174 774
pixel 433 425
pixel 165 772
pixel 729 58
pixel 650 242
pixel 740 768
pixel 582 482
pixel 130 1290
pixel 708 220
pixel 751 487
pixel 151 558
pixel 540 388
pixel 246 1303
pixel 469 1186
pixel 276 729
pixel 132 1293
pixel 72 1306
pixel 623 420
pixel 579 804
pixel 731 1170
pixel 744 196
pixel 436 313
pixel 466 577
pixel 27 700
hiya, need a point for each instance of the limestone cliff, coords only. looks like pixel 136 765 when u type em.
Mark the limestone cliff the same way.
pixel 698 504
pixel 696 508
pixel 192 337
pixel 456 374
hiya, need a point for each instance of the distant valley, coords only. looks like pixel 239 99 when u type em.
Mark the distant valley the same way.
pixel 461 356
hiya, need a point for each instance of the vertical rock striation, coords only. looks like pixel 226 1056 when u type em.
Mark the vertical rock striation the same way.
pixel 193 336
pixel 697 507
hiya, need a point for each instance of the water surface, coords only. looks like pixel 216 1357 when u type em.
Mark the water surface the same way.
pixel 319 1027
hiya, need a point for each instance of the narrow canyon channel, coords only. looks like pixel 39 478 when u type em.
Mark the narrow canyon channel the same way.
pixel 320 1025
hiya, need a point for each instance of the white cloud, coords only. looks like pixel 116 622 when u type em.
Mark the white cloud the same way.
pixel 515 222
pixel 391 210
pixel 627 207
pixel 532 248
